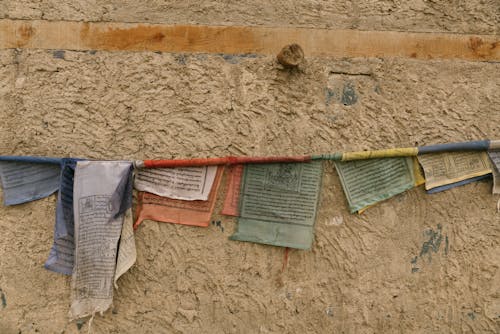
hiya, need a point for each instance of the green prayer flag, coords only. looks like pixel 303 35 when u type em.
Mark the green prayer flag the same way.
pixel 369 181
pixel 278 204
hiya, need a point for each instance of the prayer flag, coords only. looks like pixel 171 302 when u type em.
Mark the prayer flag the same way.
pixel 61 254
pixel 450 168
pixel 366 182
pixel 102 195
pixel 186 183
pixel 168 210
pixel 25 179
pixel 232 200
pixel 127 253
pixel 495 160
pixel 457 184
pixel 278 204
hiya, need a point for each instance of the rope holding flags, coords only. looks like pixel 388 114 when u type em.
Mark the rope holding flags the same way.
pixel 274 198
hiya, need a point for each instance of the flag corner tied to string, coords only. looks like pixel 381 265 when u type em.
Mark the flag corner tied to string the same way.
pixel 278 204
pixel 366 182
pixel 494 155
pixel 181 195
pixel 232 199
pixel 61 256
pixel 26 179
pixel 446 170
pixel 102 198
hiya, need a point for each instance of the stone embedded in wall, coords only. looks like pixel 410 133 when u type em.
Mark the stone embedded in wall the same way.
pixel 291 56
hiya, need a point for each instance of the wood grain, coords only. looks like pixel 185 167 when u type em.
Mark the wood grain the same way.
pixel 109 36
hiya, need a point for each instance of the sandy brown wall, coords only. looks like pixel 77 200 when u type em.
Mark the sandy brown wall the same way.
pixel 414 264
pixel 472 16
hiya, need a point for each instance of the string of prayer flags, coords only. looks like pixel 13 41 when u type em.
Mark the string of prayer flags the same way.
pixel 495 160
pixel 451 168
pixel 366 182
pixel 275 198
pixel 101 196
pixel 278 204
pixel 232 199
pixel 378 154
pixel 196 162
pixel 184 183
pixel 26 179
pixel 169 210
pixel 62 252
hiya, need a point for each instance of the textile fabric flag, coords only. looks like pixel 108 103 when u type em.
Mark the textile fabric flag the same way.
pixel 495 159
pixel 278 204
pixel 61 254
pixel 26 179
pixel 418 173
pixel 186 183
pixel 457 184
pixel 168 210
pixel 232 199
pixel 127 253
pixel 102 195
pixel 366 182
pixel 450 168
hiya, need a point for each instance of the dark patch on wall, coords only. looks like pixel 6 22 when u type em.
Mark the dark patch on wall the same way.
pixel 446 245
pixel 181 59
pixel 329 95
pixel 432 245
pixel 346 87
pixel 58 54
pixel 3 298
pixel 349 96
pixel 80 323
pixel 231 59
pixel 218 224
pixel 235 59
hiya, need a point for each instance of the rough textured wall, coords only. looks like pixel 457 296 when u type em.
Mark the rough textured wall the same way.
pixel 416 263
pixel 470 16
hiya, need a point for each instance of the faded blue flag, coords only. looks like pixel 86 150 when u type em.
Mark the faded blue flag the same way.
pixel 26 179
pixel 62 252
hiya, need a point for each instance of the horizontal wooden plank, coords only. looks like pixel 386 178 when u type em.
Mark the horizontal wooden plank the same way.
pixel 110 36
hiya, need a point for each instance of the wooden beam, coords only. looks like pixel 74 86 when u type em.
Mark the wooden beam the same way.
pixel 110 36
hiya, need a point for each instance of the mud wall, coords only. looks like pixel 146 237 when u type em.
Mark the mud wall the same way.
pixel 416 263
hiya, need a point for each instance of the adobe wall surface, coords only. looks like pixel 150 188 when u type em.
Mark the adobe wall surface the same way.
pixel 416 263
pixel 473 16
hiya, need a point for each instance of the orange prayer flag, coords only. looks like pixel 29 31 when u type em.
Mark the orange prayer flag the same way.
pixel 164 209
pixel 232 200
